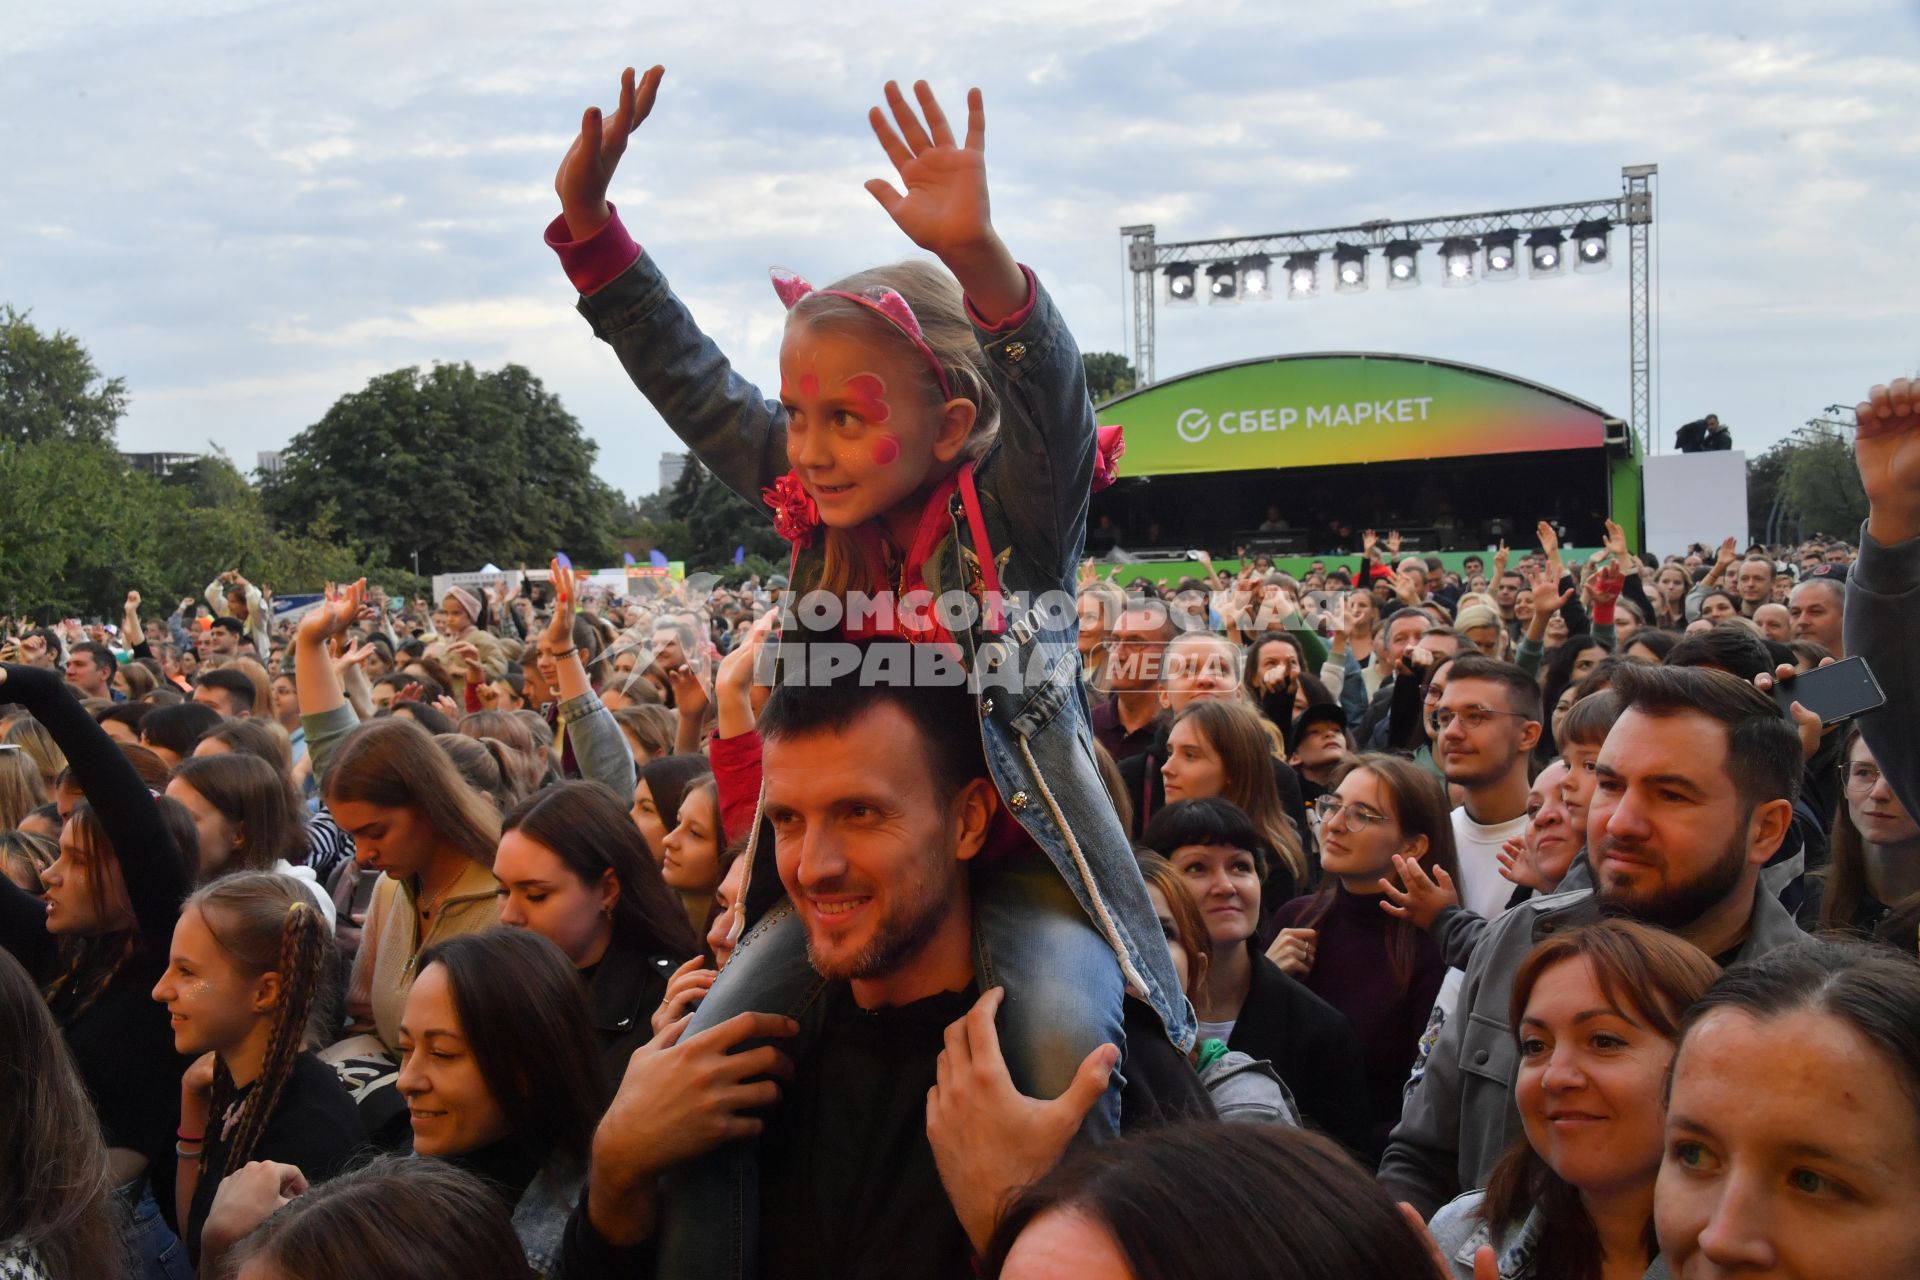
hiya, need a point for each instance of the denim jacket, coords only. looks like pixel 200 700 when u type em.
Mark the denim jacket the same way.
pixel 1459 1234
pixel 1032 484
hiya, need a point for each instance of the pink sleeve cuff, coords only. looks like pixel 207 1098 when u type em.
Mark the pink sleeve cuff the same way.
pixel 1015 320
pixel 596 262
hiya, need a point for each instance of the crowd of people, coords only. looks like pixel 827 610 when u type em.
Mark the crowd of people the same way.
pixel 1379 921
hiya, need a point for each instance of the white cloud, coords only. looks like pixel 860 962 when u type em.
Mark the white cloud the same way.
pixel 248 209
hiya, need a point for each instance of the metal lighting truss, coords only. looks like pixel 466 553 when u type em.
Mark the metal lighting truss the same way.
pixel 1632 208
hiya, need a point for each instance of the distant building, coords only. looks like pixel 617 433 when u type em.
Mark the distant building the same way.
pixel 157 464
pixel 269 461
pixel 672 467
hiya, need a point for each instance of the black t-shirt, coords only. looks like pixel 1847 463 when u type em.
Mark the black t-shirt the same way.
pixel 848 1187
pixel 848 1183
pixel 122 1044
pixel 314 1127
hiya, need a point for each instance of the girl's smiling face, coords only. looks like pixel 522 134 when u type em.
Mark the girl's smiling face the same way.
pixel 865 433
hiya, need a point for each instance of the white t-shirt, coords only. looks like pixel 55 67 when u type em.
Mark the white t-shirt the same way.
pixel 1483 890
pixel 1221 1031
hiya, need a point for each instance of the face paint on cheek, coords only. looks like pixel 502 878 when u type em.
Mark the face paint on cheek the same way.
pixel 886 450
pixel 870 397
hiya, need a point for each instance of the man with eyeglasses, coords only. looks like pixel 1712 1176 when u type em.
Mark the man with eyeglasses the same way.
pixel 1128 722
pixel 1488 721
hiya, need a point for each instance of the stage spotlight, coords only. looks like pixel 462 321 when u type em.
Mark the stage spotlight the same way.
pixel 1403 264
pixel 1223 282
pixel 1503 259
pixel 1303 275
pixel 1180 285
pixel 1546 254
pixel 1256 278
pixel 1592 251
pixel 1457 262
pixel 1349 268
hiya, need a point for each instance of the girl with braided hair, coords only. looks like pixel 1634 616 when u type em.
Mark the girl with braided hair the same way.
pixel 248 954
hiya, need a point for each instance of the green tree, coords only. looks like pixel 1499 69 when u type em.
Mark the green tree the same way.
pixel 1764 473
pixel 50 389
pixel 1822 487
pixel 717 520
pixel 462 466
pixel 1108 375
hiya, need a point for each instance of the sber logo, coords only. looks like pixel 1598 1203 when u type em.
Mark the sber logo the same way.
pixel 1193 425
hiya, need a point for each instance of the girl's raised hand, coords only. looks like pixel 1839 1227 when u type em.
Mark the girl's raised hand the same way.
pixel 945 206
pixel 587 169
pixel 945 210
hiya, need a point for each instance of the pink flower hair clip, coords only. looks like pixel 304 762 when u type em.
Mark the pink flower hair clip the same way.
pixel 880 301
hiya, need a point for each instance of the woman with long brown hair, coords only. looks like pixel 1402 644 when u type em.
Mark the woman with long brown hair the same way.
pixel 1875 865
pixel 502 1076
pixel 1217 748
pixel 411 815
pixel 1596 1015
pixel 414 818
pixel 248 957
pixel 574 869
pixel 57 1217
pixel 246 819
pixel 1383 972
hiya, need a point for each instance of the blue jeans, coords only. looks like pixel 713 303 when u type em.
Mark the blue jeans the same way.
pixel 154 1252
pixel 1063 1000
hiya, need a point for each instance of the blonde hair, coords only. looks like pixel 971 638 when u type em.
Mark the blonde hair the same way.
pixel 940 307
pixel 32 737
pixel 21 788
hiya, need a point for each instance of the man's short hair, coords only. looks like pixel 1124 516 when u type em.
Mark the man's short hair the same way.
pixel 1834 586
pixel 1763 750
pixel 944 716
pixel 1734 649
pixel 102 656
pixel 1523 693
pixel 1388 622
pixel 226 622
pixel 231 681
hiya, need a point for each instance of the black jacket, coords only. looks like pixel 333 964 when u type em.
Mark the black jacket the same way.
pixel 622 992
pixel 1313 1048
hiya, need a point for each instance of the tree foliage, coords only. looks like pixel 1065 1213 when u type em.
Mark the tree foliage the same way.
pixel 1808 483
pixel 717 520
pixel 1108 375
pixel 462 466
pixel 91 530
pixel 50 389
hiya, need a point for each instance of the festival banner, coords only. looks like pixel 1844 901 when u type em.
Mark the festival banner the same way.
pixel 1334 410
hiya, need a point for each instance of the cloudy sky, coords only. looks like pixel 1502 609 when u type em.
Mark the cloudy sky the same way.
pixel 249 209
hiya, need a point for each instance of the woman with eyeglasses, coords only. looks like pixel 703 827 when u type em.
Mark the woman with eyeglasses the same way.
pixel 1875 865
pixel 1382 971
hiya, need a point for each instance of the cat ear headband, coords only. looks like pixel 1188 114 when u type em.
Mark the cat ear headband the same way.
pixel 881 301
